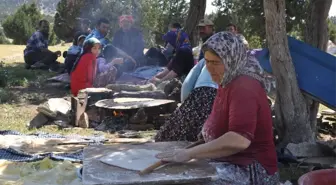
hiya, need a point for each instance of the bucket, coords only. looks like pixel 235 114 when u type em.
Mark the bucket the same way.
pixel 319 177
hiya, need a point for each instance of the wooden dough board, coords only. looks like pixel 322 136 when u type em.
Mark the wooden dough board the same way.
pixel 98 173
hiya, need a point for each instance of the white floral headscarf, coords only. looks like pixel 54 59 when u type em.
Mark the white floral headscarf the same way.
pixel 237 61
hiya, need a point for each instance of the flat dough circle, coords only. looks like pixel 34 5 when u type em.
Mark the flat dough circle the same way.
pixel 132 159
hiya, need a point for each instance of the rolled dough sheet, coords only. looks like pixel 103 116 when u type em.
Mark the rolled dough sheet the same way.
pixel 132 159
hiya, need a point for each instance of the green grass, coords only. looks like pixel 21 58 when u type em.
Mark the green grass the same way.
pixel 21 91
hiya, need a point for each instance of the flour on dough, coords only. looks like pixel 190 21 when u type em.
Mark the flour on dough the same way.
pixel 132 159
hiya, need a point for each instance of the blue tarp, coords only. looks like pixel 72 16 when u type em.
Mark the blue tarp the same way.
pixel 315 69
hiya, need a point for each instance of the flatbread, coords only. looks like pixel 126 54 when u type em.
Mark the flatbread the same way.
pixel 132 159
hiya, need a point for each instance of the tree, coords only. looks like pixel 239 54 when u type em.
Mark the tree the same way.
pixel 316 34
pixel 195 14
pixel 21 25
pixel 291 117
pixel 249 16
pixel 66 18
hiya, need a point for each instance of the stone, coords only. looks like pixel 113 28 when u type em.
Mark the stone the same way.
pixel 83 121
pixel 38 121
pixel 55 106
pixel 306 149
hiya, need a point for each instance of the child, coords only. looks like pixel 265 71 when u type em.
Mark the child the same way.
pixel 84 70
pixel 73 52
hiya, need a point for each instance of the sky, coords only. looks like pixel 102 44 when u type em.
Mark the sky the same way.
pixel 210 8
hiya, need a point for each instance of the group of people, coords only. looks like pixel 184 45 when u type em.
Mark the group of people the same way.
pixel 224 96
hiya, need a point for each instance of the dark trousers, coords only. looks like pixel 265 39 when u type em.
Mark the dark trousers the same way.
pixel 47 58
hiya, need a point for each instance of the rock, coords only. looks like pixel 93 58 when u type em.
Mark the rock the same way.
pixel 83 121
pixel 55 106
pixel 130 87
pixel 305 149
pixel 38 121
pixel 140 117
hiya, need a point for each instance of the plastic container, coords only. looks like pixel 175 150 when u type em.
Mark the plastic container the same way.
pixel 319 177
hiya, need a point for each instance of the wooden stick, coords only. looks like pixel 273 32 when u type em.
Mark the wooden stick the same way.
pixel 161 163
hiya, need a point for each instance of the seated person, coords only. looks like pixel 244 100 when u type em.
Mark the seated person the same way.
pixel 161 57
pixel 197 95
pixel 106 67
pixel 233 29
pixel 129 40
pixel 37 55
pixel 84 70
pixel 100 32
pixel 238 133
pixel 183 59
pixel 73 52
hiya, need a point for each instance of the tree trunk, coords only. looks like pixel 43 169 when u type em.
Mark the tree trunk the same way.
pixel 290 107
pixel 195 14
pixel 316 34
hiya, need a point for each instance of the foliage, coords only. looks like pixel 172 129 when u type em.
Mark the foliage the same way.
pixel 21 25
pixel 152 16
pixel 332 29
pixel 249 17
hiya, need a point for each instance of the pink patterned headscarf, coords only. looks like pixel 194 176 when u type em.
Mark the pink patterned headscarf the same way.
pixel 127 18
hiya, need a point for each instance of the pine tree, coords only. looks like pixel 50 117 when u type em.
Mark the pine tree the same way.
pixel 22 24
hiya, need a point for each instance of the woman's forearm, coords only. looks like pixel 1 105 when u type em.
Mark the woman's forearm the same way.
pixel 226 145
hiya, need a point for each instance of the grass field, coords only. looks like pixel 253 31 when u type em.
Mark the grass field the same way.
pixel 21 91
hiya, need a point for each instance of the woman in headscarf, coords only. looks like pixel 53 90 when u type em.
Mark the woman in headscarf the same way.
pixel 238 133
pixel 85 68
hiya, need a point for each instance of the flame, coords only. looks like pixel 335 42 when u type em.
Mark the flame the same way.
pixel 117 114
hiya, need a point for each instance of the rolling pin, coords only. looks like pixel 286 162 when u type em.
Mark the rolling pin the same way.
pixel 161 163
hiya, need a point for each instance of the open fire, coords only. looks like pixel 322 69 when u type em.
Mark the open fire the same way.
pixel 117 113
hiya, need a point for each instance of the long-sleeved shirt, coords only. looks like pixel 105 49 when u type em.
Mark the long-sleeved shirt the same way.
pixel 96 34
pixel 83 75
pixel 198 76
pixel 131 42
pixel 36 42
pixel 242 107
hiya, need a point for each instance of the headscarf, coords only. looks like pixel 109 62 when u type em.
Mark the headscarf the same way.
pixel 178 39
pixel 126 17
pixel 87 46
pixel 237 61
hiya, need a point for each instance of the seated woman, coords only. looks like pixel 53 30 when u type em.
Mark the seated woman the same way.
pixel 198 94
pixel 238 133
pixel 106 67
pixel 84 70
pixel 183 59
pixel 73 52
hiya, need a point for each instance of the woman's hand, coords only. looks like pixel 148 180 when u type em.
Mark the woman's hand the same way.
pixel 177 156
pixel 155 80
pixel 118 61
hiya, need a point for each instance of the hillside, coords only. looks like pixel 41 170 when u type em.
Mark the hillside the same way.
pixel 48 7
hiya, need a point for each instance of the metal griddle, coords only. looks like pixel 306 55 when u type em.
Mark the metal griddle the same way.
pixel 98 173
pixel 131 103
